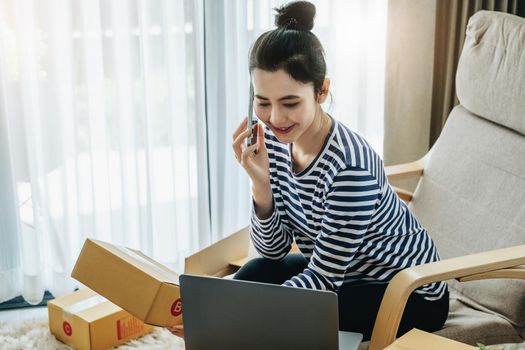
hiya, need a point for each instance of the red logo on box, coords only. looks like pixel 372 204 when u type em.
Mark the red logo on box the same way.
pixel 67 328
pixel 128 326
pixel 176 308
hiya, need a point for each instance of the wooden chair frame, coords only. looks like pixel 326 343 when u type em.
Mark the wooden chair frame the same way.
pixel 500 263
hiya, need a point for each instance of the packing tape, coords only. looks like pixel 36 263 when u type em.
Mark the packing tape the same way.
pixel 170 277
pixel 84 304
pixel 72 309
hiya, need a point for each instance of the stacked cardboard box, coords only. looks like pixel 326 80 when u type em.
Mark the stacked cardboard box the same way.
pixel 88 321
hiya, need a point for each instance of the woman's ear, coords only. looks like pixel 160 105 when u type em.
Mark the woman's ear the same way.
pixel 323 94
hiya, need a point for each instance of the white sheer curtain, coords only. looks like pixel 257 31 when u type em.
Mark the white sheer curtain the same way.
pixel 353 33
pixel 102 134
pixel 116 120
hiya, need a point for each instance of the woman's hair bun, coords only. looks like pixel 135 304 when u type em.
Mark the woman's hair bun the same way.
pixel 298 15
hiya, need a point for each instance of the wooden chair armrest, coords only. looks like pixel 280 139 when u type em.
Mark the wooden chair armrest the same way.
pixel 405 171
pixel 403 194
pixel 407 280
pixel 517 272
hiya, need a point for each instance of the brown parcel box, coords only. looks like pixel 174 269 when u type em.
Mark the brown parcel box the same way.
pixel 142 286
pixel 417 339
pixel 87 321
pixel 130 279
pixel 225 256
pixel 222 258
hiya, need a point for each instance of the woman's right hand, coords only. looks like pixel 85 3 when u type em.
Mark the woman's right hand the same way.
pixel 254 158
pixel 177 330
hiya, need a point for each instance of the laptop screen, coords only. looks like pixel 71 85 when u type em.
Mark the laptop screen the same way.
pixel 231 314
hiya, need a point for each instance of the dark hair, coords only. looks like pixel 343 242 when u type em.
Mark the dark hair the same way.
pixel 292 46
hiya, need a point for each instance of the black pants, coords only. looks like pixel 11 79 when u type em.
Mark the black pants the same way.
pixel 358 305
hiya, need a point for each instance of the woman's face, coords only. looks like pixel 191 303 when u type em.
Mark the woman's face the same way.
pixel 288 107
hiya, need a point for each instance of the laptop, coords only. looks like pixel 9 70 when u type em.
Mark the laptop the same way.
pixel 231 314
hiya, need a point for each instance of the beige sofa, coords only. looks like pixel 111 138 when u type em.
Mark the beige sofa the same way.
pixel 471 195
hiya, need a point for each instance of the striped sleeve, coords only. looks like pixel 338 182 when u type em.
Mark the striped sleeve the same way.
pixel 271 238
pixel 349 206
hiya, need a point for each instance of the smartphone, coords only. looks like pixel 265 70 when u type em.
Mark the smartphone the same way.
pixel 252 139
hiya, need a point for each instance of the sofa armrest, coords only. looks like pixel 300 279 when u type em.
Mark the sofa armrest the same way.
pixel 474 266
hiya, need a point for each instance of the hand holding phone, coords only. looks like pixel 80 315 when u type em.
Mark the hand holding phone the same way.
pixel 250 150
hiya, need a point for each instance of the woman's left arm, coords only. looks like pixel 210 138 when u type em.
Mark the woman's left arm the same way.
pixel 349 208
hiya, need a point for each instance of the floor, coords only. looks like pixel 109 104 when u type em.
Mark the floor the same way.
pixel 40 312
pixel 23 314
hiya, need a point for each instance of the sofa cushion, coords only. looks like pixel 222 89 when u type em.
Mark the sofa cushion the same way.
pixel 490 80
pixel 471 326
pixel 471 199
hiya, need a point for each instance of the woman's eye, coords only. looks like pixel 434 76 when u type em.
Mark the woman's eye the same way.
pixel 287 105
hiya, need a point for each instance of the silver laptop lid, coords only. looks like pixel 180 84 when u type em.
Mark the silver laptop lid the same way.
pixel 231 314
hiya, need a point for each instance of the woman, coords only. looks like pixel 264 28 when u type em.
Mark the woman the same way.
pixel 316 182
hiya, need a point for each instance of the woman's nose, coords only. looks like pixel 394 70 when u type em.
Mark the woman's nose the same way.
pixel 276 116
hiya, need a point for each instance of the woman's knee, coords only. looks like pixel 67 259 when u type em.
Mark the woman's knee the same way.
pixel 256 270
pixel 272 271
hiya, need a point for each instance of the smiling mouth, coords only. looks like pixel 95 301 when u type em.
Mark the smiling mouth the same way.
pixel 284 130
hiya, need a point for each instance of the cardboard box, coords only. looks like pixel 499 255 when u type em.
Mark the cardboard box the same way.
pixel 143 287
pixel 131 280
pixel 225 256
pixel 417 339
pixel 149 290
pixel 88 321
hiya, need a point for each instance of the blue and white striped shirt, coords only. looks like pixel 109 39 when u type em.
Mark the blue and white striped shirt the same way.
pixel 344 216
